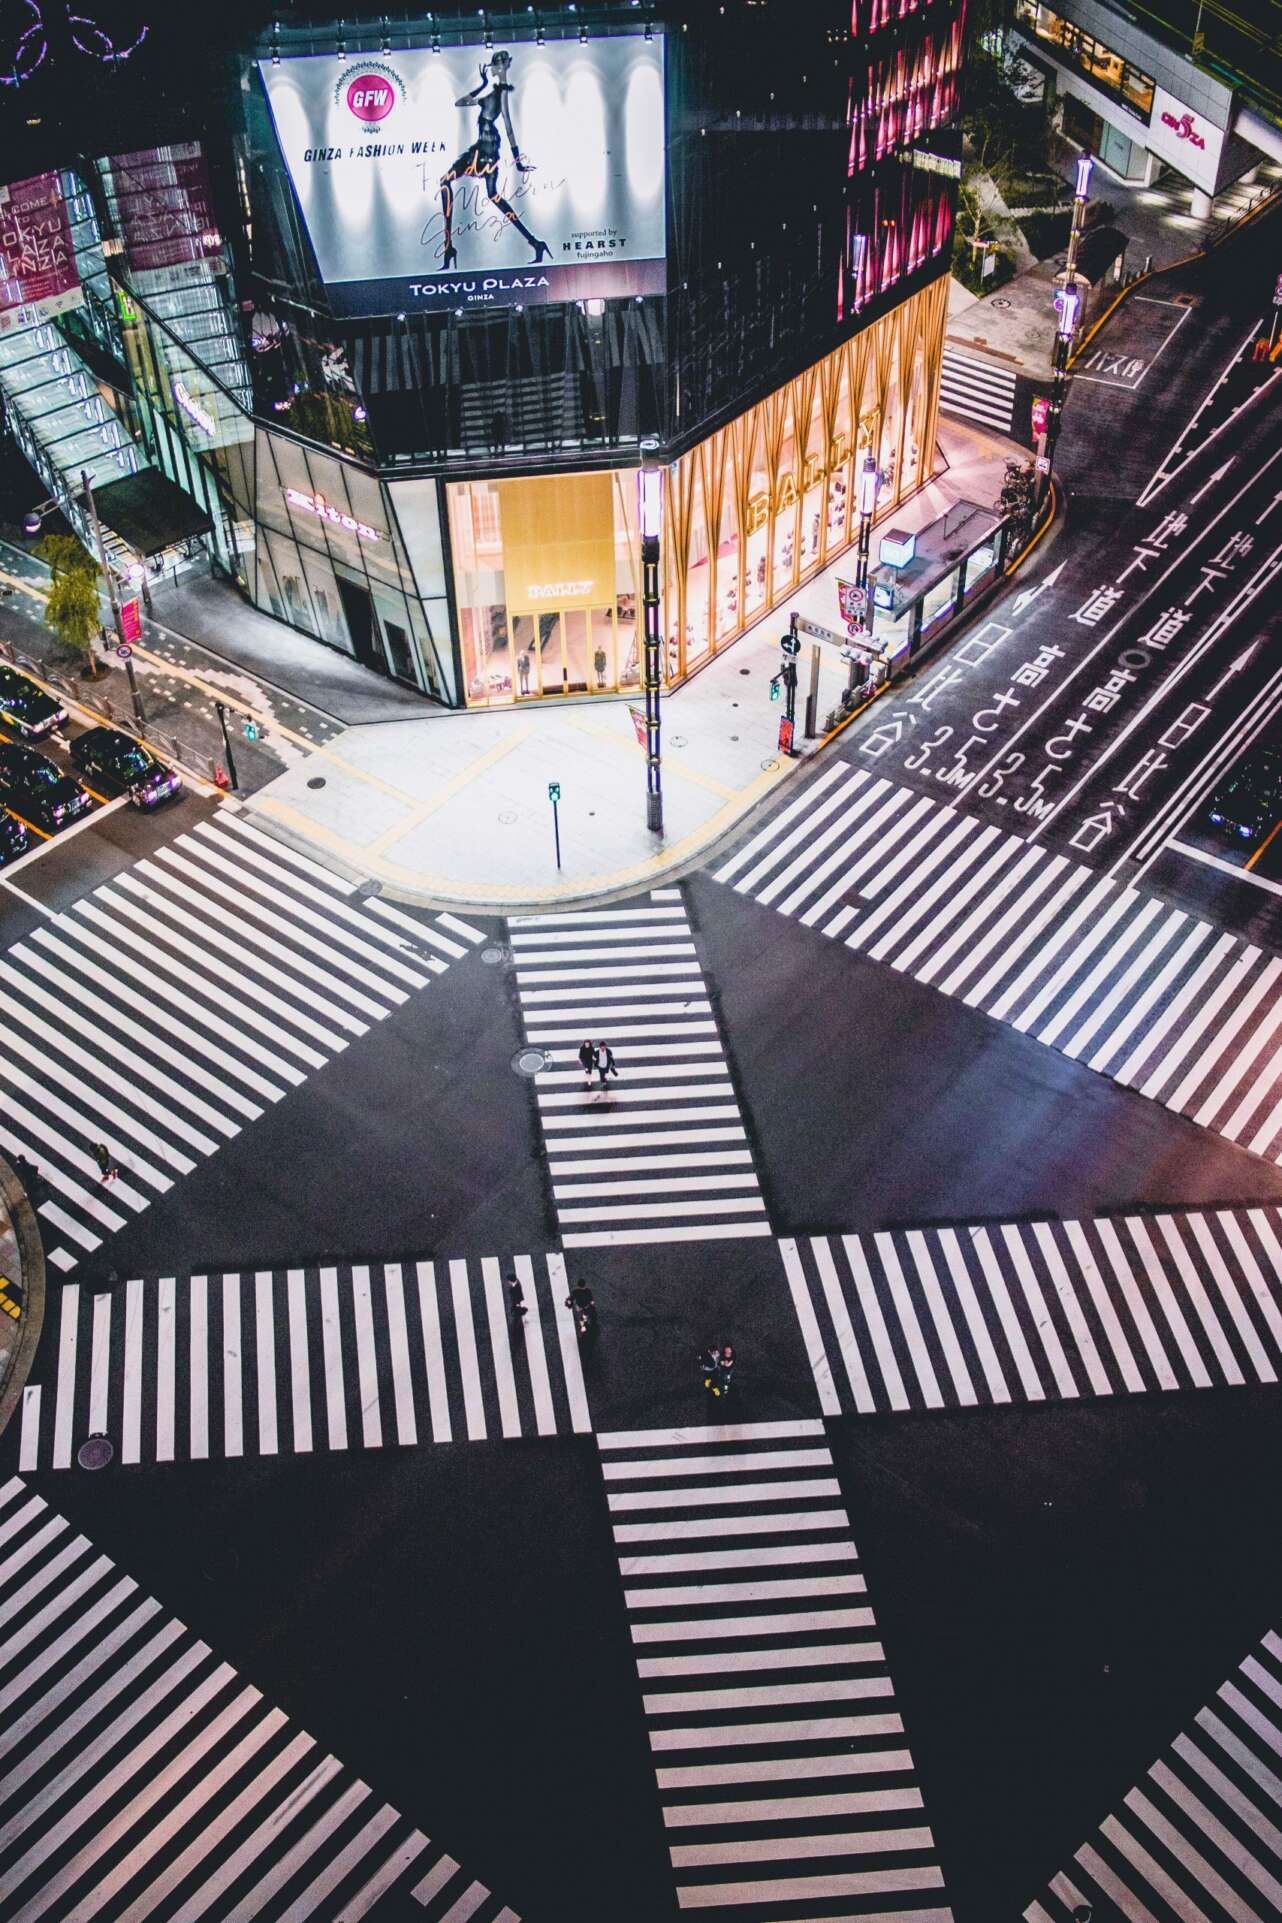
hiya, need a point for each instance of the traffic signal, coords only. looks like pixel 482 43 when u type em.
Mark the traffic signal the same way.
pixel 774 687
pixel 790 677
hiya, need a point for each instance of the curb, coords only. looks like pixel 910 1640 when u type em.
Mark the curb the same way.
pixel 32 1276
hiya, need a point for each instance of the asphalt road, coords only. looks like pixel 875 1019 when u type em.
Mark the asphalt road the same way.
pixel 1058 1587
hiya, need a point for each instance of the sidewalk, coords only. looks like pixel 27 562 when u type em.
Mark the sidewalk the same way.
pixel 453 808
pixel 1014 325
pixel 22 1290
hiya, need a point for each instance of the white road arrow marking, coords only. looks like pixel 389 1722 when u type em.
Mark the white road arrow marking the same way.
pixel 1030 595
pixel 1218 475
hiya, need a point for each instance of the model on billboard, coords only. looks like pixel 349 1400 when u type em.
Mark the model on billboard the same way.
pixel 481 159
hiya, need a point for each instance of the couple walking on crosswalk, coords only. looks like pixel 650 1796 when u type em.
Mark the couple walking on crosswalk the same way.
pixel 598 1056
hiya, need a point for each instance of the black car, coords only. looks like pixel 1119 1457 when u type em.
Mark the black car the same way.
pixel 118 762
pixel 35 789
pixel 26 708
pixel 1250 801
pixel 15 837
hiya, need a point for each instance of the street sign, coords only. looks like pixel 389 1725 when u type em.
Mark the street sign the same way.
pixel 851 600
pixel 124 651
pixel 786 729
pixel 1042 464
pixel 130 621
pixel 790 644
pixel 554 791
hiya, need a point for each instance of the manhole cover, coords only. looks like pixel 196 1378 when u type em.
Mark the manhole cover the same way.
pixel 95 1452
pixel 317 781
pixel 530 1061
pixel 745 670
pixel 493 956
pixel 507 817
pixel 770 766
pixel 1000 300
pixel 368 889
pixel 676 741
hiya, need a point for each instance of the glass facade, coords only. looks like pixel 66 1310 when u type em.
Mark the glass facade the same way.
pixel 546 568
pixel 1094 61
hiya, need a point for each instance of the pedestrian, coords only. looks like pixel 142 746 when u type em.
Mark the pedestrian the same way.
pixel 582 1304
pixel 717 1366
pixel 516 1298
pixel 107 1170
pixel 605 1062
pixel 523 672
pixel 587 1061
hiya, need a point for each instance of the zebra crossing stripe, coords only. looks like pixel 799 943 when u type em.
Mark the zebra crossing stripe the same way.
pixel 216 1029
pixel 185 1368
pixel 1109 976
pixel 1202 1825
pixel 141 1775
pixel 822 1741
pixel 1036 1311
pixel 632 976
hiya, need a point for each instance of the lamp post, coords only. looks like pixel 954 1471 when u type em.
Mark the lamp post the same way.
pixel 650 513
pixel 1068 309
pixel 869 483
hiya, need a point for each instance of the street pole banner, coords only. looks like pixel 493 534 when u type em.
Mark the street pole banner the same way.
pixel 639 727
pixel 478 174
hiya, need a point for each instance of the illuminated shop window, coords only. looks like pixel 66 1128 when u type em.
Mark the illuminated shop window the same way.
pixel 1101 66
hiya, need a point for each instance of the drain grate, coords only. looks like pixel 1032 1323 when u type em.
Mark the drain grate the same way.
pixel 493 955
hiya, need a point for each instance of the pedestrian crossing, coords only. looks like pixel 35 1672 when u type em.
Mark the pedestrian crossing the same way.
pixel 141 1777
pixel 1200 1838
pixel 270 1362
pixel 661 1154
pixel 780 1758
pixel 977 390
pixel 1153 997
pixel 167 1009
pixel 1039 1311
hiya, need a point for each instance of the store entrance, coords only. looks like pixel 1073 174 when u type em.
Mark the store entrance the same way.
pixel 360 625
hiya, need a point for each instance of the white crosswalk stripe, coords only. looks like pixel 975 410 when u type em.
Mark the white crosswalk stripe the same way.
pixel 780 1757
pixel 287 1362
pixel 661 1154
pixel 1200 1837
pixel 172 1005
pixel 142 1777
pixel 977 389
pixel 1034 1311
pixel 1142 992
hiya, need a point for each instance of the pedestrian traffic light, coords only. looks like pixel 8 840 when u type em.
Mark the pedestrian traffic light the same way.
pixel 774 688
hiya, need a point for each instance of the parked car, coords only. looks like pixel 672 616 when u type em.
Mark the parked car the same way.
pixel 34 788
pixel 1250 801
pixel 15 837
pixel 118 762
pixel 25 706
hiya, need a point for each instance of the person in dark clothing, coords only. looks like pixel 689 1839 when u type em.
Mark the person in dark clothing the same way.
pixel 516 1298
pixel 587 1061
pixel 717 1366
pixel 605 1062
pixel 582 1303
pixel 107 1170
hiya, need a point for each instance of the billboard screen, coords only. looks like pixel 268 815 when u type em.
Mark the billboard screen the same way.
pixel 476 175
pixel 164 205
pixel 38 273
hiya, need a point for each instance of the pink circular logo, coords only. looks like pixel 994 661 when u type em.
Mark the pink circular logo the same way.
pixel 370 97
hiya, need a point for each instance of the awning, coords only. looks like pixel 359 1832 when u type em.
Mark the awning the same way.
pixel 149 512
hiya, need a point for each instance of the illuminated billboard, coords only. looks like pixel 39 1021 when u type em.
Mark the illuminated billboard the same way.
pixel 38 272
pixel 477 175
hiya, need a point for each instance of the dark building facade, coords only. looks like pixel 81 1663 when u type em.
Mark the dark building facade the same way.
pixel 402 321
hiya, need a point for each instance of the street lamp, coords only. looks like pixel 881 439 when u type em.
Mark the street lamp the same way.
pixel 650 514
pixel 869 483
pixel 1068 312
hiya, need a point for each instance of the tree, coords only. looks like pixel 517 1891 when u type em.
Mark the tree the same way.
pixel 71 610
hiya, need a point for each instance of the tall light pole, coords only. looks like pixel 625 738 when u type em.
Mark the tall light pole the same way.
pixel 869 482
pixel 650 514
pixel 1068 309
